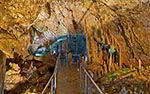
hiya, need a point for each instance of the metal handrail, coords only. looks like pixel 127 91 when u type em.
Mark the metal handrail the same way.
pixel 47 84
pixel 52 77
pixel 91 79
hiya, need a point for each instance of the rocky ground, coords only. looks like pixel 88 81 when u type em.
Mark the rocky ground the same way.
pixel 29 77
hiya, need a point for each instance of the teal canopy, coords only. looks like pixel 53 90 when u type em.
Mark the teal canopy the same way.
pixel 76 45
pixel 41 51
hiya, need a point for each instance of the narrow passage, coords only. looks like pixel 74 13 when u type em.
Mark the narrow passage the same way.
pixel 68 81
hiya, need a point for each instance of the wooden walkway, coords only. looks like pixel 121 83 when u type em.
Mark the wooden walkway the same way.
pixel 68 79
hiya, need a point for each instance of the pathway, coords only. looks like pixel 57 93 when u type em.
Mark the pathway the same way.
pixel 68 81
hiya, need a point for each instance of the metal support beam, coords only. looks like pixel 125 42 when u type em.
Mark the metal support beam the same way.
pixel 86 85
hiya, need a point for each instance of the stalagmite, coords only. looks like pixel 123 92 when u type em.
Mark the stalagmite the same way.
pixel 140 64
pixel 110 62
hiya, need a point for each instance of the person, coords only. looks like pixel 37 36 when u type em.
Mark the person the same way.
pixel 54 52
pixel 85 58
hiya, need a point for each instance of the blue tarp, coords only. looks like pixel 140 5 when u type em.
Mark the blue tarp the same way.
pixel 55 45
pixel 37 52
pixel 76 44
pixel 75 59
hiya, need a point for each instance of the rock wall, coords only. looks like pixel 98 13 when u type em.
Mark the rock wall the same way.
pixel 2 71
pixel 127 30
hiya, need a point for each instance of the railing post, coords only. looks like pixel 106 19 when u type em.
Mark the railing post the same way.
pixel 87 88
pixel 55 83
pixel 52 87
pixel 110 62
pixel 53 79
pixel 80 76
pixel 86 85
